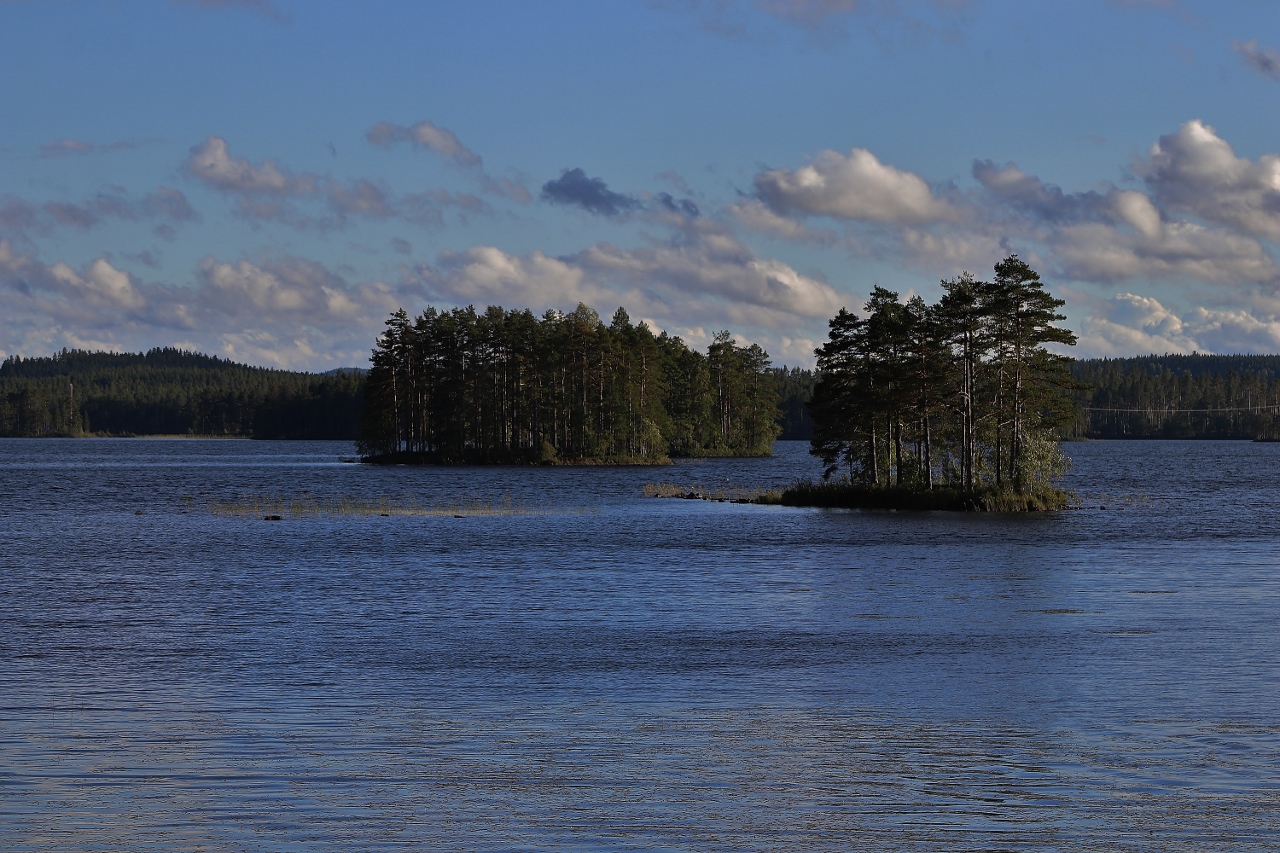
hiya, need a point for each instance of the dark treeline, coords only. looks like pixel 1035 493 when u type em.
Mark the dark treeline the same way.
pixel 172 392
pixel 1179 396
pixel 962 394
pixel 508 386
pixel 795 389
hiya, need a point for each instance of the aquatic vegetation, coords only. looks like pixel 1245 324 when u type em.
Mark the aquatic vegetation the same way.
pixel 277 508
pixel 842 493
pixel 698 491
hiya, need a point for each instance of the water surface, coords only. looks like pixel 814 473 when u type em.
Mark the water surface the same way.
pixel 605 671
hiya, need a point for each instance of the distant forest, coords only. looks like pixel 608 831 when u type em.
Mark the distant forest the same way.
pixel 173 392
pixel 461 386
pixel 1178 396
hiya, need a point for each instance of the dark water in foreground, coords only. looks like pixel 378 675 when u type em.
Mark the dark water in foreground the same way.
pixel 613 672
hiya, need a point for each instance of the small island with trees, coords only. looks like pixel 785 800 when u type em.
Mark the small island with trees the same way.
pixel 955 405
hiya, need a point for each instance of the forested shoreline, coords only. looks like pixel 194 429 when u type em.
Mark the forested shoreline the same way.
pixel 169 391
pixel 506 386
pixel 1196 396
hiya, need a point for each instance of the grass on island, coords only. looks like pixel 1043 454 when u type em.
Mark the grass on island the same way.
pixel 277 508
pixel 844 495
pixel 847 495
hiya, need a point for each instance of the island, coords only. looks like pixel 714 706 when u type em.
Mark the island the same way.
pixel 508 387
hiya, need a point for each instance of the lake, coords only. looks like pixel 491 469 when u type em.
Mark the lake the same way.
pixel 546 659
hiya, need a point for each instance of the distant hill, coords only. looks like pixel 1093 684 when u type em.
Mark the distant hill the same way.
pixel 174 392
pixel 1179 396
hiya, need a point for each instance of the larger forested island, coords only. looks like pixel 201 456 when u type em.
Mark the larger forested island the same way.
pixel 506 386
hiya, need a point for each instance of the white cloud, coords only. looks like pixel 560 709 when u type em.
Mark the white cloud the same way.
pixel 424 135
pixel 428 136
pixel 757 216
pixel 1195 171
pixel 1134 325
pixel 704 277
pixel 100 284
pixel 288 312
pixel 288 290
pixel 1100 252
pixel 211 162
pixel 855 187
pixel 268 191
pixel 165 206
pixel 1129 324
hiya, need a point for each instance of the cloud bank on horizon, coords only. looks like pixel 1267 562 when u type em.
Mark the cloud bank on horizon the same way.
pixel 757 167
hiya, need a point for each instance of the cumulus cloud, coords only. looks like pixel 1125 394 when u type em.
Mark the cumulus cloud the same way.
pixel 1048 204
pixel 1031 195
pixel 681 206
pixel 1100 252
pixel 428 136
pixel 757 216
pixel 1118 234
pixel 269 191
pixel 212 163
pixel 704 276
pixel 574 189
pixel 424 135
pixel 856 186
pixel 1129 324
pixel 1264 60
pixel 1195 171
pixel 287 312
pixel 1203 215
pixel 286 288
pixel 170 204
pixel 99 284
pixel 166 206
pixel 95 297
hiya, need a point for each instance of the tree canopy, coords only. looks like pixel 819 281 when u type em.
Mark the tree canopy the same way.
pixel 467 386
pixel 963 393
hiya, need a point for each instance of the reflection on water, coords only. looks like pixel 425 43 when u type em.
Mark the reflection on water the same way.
pixel 628 673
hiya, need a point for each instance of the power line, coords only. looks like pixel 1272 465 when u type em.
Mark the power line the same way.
pixel 1153 411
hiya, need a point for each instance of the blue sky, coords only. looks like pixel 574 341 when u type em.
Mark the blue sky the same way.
pixel 267 179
